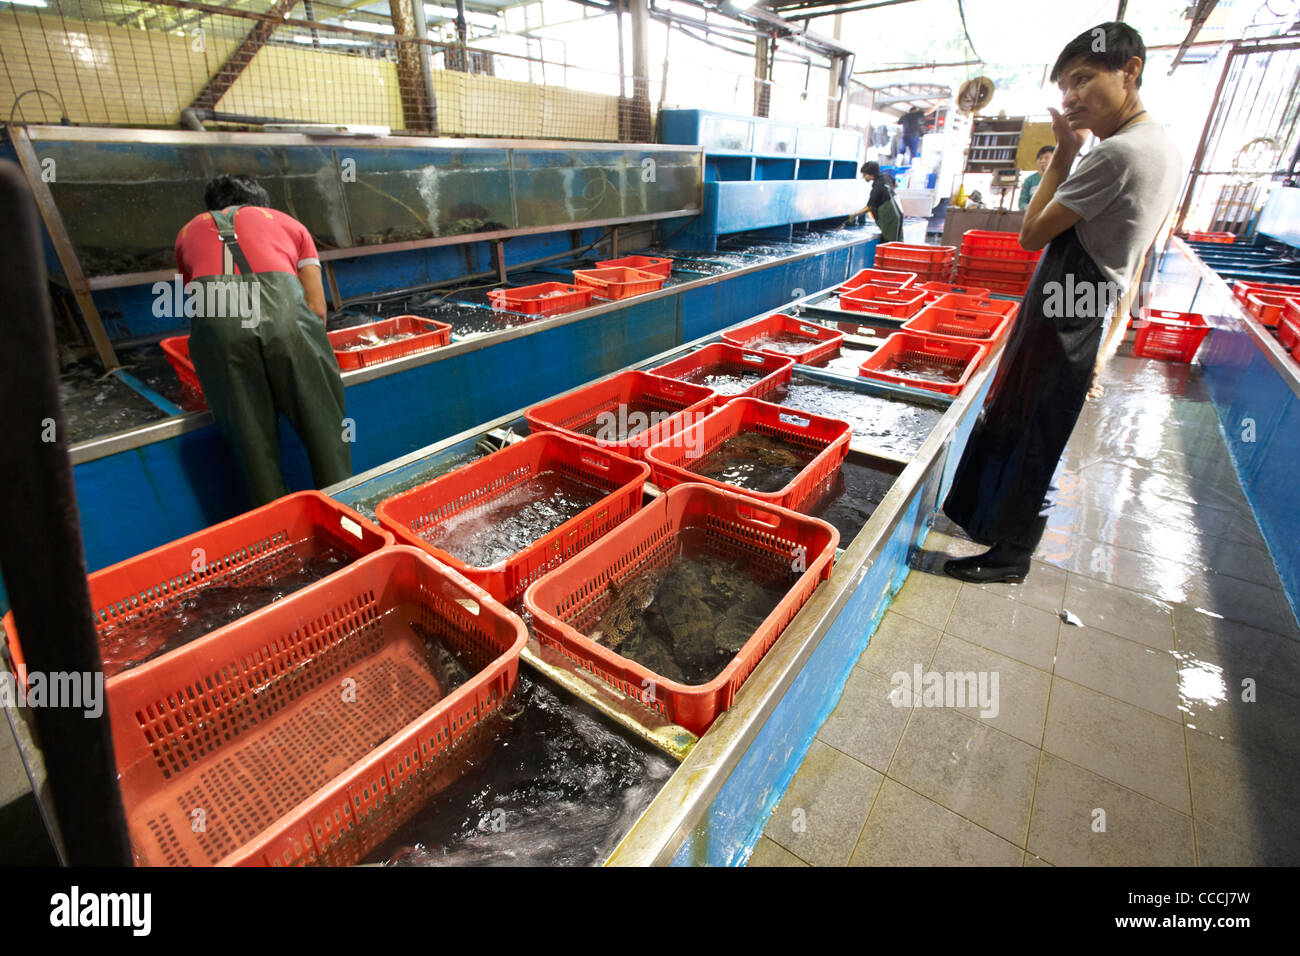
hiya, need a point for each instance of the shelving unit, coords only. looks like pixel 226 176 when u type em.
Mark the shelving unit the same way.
pixel 760 174
pixel 993 144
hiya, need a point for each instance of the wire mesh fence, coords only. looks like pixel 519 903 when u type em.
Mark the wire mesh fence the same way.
pixel 114 62
pixel 145 63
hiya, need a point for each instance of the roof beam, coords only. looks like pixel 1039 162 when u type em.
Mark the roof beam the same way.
pixel 1203 10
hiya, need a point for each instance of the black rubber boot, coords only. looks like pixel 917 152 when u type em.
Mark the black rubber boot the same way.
pixel 1001 563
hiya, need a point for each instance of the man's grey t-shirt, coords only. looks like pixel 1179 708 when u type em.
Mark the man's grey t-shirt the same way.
pixel 1123 190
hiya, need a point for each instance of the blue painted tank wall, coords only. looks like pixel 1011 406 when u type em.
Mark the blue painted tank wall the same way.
pixel 136 500
pixel 1245 386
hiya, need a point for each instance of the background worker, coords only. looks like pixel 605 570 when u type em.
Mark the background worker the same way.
pixel 252 368
pixel 882 205
pixel 1094 224
pixel 913 123
pixel 1044 158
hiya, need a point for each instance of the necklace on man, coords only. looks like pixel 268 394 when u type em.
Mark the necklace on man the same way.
pixel 1127 121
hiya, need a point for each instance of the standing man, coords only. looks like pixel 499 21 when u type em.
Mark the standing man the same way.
pixel 913 123
pixel 882 205
pixel 1044 158
pixel 1095 223
pixel 255 363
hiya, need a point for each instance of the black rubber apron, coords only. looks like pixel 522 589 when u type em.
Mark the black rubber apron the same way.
pixel 1005 474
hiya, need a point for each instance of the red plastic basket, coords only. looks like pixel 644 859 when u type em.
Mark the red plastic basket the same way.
pixel 880 300
pixel 678 403
pixel 994 282
pixel 566 603
pixel 248 548
pixel 428 334
pixel 959 324
pixel 544 298
pixel 908 251
pixel 939 274
pixel 1225 237
pixel 978 303
pixel 886 277
pixel 990 242
pixel 934 290
pixel 476 484
pixel 252 726
pixel 821 340
pixel 618 282
pixel 1242 289
pixel 1007 267
pixel 1169 335
pixel 903 345
pixel 1267 306
pixel 177 350
pixel 1288 327
pixel 726 359
pixel 670 461
pixel 651 264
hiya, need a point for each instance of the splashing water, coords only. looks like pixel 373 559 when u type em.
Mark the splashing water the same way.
pixel 483 535
pixel 164 625
pixel 556 786
pixel 887 424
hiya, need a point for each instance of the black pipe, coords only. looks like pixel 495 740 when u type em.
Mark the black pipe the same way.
pixel 41 554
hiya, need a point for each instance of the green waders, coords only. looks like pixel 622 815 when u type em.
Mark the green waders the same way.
pixel 258 351
pixel 889 218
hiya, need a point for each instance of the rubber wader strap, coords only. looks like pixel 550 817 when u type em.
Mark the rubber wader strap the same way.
pixel 226 230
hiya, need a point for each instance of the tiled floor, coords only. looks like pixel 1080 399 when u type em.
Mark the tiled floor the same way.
pixel 1147 677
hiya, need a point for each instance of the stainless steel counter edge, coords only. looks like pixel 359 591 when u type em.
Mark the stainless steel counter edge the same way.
pixel 169 428
pixel 1237 320
pixel 678 808
pixel 175 137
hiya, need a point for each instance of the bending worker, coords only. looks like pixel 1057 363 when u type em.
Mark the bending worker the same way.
pixel 262 349
pixel 1096 223
pixel 882 205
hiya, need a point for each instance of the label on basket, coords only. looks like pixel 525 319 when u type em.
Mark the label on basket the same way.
pixel 795 420
pixel 351 526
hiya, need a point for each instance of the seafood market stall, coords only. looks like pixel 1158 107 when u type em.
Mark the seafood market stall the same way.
pixel 573 770
pixel 540 718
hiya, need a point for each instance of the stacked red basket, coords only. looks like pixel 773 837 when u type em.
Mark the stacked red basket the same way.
pixel 930 263
pixel 995 261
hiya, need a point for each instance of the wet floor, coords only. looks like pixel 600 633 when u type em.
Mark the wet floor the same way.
pixel 885 424
pixel 1147 666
